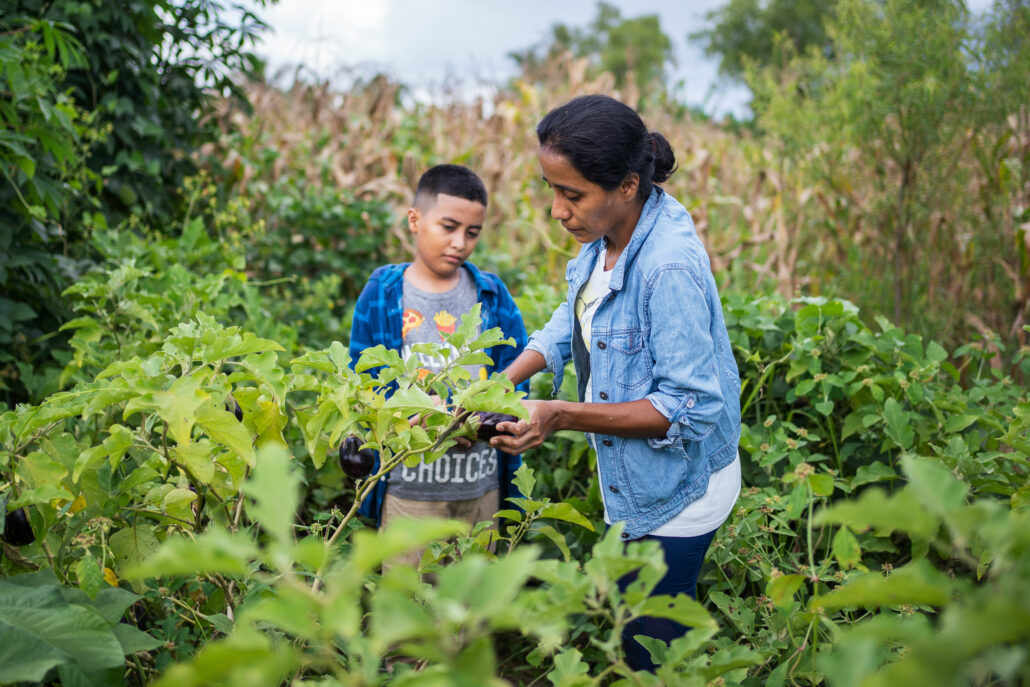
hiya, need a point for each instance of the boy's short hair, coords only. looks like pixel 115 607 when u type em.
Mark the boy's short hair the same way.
pixel 452 180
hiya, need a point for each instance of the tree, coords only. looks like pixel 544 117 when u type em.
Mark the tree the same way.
pixel 745 30
pixel 628 48
pixel 108 105
pixel 914 158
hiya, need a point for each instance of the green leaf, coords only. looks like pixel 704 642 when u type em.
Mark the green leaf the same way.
pixel 378 356
pixel 130 546
pixel 510 514
pixel 559 540
pixel 198 459
pixel 565 511
pixel 957 423
pixel 918 583
pixel 214 551
pixel 223 427
pixel 825 407
pixel 568 665
pixel 339 356
pixel 178 503
pixel 821 483
pixel 873 472
pixel 40 630
pixel 370 548
pixel 133 640
pixel 936 352
pixel 177 406
pixel 524 480
pixel 90 576
pixel 113 447
pixel 274 490
pixel 412 400
pixel 875 510
pixel 846 549
pixel 934 485
pixel 899 425
pixel 235 345
pixel 781 589
pixel 680 608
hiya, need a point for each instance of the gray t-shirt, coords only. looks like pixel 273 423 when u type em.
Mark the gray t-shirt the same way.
pixel 458 475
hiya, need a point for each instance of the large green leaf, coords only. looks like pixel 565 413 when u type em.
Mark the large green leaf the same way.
pixel 223 427
pixel 214 551
pixel 39 630
pixel 917 583
pixel 274 491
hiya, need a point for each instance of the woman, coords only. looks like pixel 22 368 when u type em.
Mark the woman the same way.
pixel 643 324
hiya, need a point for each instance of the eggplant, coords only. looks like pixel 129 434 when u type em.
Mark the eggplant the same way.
pixel 488 424
pixel 357 462
pixel 234 407
pixel 17 530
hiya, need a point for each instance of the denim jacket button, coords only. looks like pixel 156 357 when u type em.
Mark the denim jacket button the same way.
pixel 602 345
pixel 603 396
pixel 615 489
pixel 690 403
pixel 606 442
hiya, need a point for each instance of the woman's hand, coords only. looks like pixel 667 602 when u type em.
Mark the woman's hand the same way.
pixel 526 434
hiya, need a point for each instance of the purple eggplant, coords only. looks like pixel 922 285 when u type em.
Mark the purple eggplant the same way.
pixel 357 462
pixel 488 424
pixel 17 530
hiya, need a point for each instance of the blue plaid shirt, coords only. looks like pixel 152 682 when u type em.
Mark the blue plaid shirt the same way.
pixel 378 320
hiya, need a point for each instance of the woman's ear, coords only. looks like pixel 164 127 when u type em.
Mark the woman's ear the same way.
pixel 413 218
pixel 628 187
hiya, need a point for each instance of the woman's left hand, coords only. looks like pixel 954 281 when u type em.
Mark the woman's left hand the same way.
pixel 527 434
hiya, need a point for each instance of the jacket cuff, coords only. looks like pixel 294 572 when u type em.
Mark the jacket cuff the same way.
pixel 674 409
pixel 553 360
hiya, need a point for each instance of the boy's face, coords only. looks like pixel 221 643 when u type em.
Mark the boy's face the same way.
pixel 445 234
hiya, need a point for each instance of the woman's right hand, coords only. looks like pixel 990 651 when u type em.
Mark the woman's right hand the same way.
pixel 526 434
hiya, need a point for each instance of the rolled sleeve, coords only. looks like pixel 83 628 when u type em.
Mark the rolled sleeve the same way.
pixel 686 372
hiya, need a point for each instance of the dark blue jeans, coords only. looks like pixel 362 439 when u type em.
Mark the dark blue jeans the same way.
pixel 683 556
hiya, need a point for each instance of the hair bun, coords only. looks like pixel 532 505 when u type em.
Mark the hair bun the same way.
pixel 664 159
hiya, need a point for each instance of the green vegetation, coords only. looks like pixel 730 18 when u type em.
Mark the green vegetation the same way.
pixel 175 510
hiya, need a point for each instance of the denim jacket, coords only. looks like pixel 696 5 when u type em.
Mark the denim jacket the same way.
pixel 659 334
pixel 377 320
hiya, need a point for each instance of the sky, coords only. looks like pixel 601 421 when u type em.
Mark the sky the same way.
pixel 428 43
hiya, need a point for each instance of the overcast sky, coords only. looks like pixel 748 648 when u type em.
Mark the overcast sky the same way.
pixel 427 42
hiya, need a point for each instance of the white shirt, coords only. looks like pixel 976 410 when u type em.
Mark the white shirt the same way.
pixel 706 513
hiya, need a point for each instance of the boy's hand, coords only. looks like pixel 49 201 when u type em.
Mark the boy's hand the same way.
pixel 527 434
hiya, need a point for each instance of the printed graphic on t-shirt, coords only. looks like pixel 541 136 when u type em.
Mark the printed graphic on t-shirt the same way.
pixel 413 332
pixel 452 469
pixel 412 319
pixel 444 322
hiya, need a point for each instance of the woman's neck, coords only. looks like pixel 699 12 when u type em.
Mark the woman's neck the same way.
pixel 617 239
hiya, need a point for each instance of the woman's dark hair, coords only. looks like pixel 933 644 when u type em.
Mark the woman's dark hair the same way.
pixel 605 141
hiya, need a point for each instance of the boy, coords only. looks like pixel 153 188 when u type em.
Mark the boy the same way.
pixel 410 303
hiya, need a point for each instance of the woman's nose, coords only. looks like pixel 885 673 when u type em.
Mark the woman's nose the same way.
pixel 559 210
